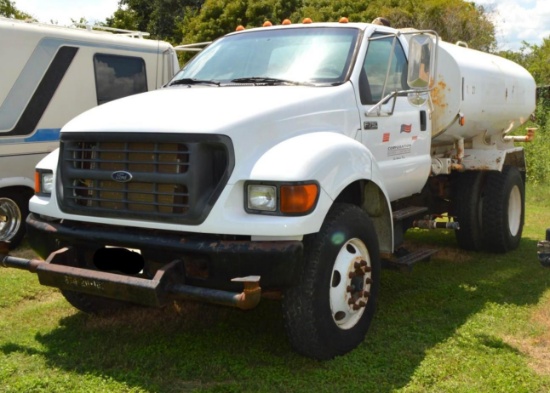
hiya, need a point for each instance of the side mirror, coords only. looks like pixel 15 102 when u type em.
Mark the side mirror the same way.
pixel 421 53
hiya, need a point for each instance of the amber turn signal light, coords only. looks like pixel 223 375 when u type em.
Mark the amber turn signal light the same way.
pixel 297 199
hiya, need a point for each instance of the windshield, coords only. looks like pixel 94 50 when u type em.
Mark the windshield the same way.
pixel 319 55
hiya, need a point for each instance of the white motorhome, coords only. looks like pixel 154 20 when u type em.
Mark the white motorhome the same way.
pixel 51 74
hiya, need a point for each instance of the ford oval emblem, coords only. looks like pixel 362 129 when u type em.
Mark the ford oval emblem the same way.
pixel 121 176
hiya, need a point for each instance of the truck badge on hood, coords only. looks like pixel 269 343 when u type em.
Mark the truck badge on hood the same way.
pixel 121 176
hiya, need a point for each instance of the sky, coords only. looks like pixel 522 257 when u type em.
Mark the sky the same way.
pixel 518 20
pixel 515 20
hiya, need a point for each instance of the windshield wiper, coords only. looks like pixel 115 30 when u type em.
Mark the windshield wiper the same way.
pixel 192 81
pixel 261 80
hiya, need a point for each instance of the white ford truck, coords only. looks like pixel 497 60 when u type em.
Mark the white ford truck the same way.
pixel 291 157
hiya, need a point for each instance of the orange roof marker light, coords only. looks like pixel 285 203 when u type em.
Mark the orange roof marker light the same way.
pixel 267 24
pixel 287 22
pixel 343 20
pixel 239 28
pixel 307 21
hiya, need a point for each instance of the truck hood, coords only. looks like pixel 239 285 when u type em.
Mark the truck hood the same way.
pixel 256 118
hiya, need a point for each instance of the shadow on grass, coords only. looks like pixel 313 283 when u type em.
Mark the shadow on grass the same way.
pixel 191 347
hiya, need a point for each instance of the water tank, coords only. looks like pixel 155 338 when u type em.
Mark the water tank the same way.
pixel 493 94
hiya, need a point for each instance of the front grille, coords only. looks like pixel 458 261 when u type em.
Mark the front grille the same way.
pixel 155 177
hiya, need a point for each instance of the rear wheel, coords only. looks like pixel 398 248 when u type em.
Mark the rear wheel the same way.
pixel 14 208
pixel 503 210
pixel 329 312
pixel 467 207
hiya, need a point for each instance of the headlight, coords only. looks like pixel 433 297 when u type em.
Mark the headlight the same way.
pixel 262 197
pixel 289 199
pixel 43 182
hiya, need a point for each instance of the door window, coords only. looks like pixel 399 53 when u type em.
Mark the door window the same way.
pixel 384 70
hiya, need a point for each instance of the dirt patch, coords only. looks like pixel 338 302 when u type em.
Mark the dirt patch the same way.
pixel 24 251
pixel 454 255
pixel 536 348
pixel 447 254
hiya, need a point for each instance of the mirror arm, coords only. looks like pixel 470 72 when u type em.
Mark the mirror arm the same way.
pixel 377 107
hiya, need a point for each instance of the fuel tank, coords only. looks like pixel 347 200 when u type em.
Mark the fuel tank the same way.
pixel 492 94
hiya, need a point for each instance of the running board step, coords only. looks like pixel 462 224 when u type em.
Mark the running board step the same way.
pixel 410 211
pixel 408 260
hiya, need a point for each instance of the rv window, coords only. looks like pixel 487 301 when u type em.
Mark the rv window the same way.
pixel 118 76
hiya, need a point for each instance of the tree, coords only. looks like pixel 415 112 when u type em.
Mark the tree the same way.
pixel 189 21
pixel 7 9
pixel 538 61
pixel 454 20
pixel 535 58
pixel 161 18
pixel 219 17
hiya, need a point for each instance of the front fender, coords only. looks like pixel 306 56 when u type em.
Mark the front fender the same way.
pixel 332 159
pixel 17 182
pixel 335 161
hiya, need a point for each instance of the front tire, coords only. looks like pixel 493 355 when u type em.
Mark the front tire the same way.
pixel 503 210
pixel 330 311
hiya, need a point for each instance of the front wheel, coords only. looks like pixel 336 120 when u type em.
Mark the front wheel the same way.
pixel 329 312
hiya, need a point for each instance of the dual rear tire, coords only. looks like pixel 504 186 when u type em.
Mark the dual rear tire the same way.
pixel 490 208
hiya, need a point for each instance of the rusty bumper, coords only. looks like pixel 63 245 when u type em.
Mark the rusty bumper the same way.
pixel 279 263
pixel 155 292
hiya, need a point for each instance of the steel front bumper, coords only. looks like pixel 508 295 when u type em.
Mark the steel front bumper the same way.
pixel 230 263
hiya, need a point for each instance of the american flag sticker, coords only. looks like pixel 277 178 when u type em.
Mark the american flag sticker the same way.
pixel 406 127
pixel 386 137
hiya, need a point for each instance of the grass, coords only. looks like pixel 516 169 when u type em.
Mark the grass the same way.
pixel 463 322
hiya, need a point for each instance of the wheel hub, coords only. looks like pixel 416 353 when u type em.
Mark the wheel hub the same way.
pixel 351 282
pixel 10 218
pixel 357 295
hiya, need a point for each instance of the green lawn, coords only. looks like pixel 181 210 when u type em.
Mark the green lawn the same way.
pixel 463 322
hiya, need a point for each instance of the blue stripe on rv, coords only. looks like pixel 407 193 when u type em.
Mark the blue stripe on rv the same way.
pixel 44 135
pixel 41 135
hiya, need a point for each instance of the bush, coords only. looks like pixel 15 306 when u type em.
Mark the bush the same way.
pixel 537 153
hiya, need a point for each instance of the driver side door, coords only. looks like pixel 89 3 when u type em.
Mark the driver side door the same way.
pixel 397 132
